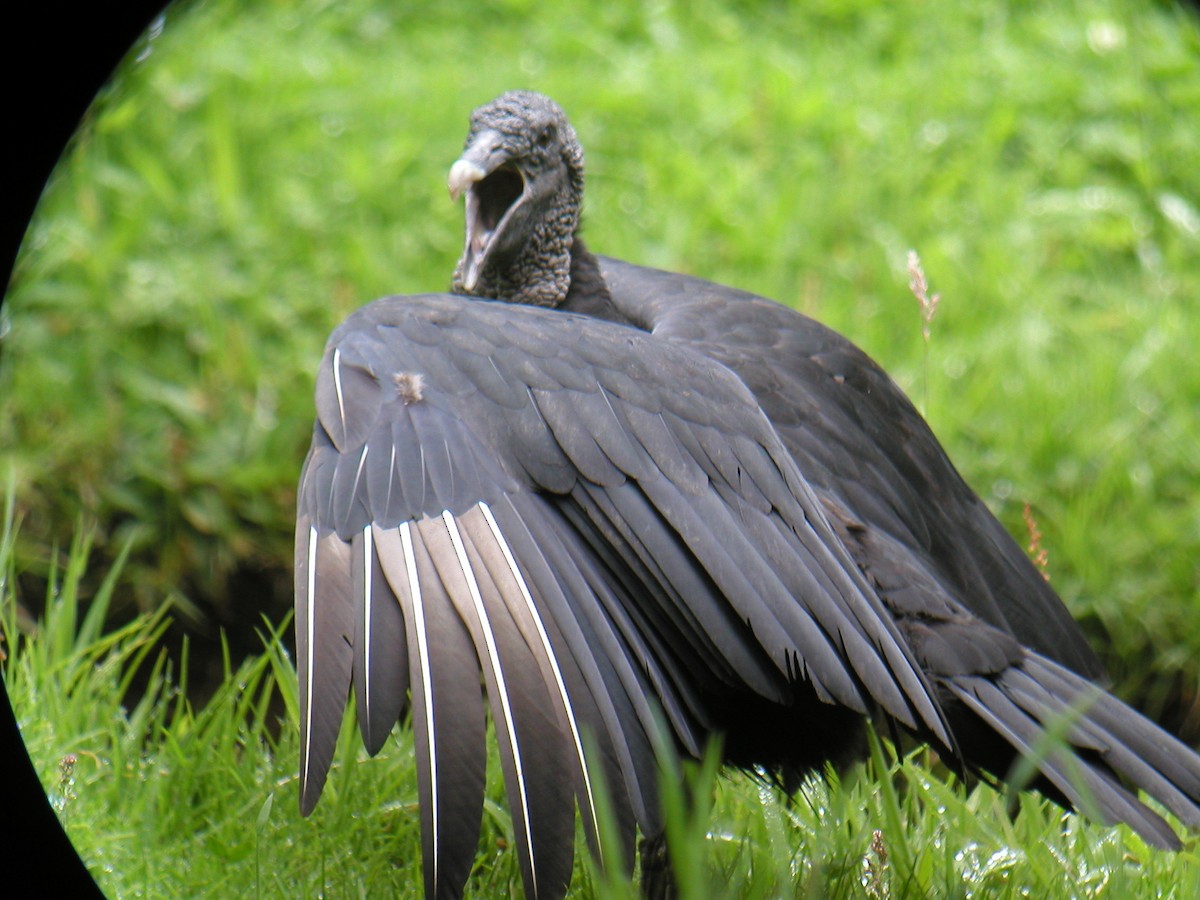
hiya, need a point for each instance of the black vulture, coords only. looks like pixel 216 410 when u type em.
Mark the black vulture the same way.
pixel 625 503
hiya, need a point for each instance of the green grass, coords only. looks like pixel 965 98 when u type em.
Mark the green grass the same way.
pixel 165 799
pixel 263 168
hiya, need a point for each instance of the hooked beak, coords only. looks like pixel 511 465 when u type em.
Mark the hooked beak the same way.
pixel 494 188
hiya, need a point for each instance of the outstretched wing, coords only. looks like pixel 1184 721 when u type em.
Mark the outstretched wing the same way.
pixel 1005 656
pixel 601 526
pixel 859 441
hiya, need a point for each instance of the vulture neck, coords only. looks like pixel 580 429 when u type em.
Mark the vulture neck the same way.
pixel 539 273
pixel 588 294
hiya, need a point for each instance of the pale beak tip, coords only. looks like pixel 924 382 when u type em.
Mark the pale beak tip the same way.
pixel 470 278
pixel 463 174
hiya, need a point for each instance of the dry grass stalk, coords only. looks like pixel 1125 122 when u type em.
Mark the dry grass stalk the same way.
pixel 1038 553
pixel 920 288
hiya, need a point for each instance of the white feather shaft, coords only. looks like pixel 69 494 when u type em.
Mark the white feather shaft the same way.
pixel 489 639
pixel 337 386
pixel 310 630
pixel 559 681
pixel 414 584
pixel 368 567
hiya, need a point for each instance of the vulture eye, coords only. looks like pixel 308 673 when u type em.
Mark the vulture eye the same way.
pixel 546 136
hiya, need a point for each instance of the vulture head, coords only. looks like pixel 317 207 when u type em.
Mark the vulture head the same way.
pixel 522 173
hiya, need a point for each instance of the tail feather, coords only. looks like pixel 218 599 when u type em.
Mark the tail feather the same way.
pixel 576 600
pixel 324 651
pixel 539 632
pixel 1102 742
pixel 1169 755
pixel 380 672
pixel 1126 741
pixel 533 754
pixel 448 721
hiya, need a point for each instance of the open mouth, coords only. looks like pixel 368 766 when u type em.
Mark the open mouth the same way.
pixel 496 195
pixel 491 201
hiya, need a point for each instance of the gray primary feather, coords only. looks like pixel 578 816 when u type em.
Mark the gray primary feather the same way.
pixel 637 508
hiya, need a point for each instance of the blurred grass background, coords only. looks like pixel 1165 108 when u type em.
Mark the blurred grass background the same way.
pixel 258 169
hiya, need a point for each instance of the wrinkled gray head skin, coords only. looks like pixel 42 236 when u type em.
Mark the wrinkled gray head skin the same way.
pixel 522 173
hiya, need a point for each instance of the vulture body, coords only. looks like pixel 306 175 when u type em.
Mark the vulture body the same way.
pixel 644 509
